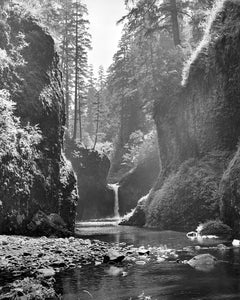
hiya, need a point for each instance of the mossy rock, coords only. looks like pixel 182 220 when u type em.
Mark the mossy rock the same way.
pixel 230 194
pixel 138 216
pixel 189 196
pixel 215 227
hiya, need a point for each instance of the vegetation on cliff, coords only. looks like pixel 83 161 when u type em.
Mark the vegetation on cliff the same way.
pixel 189 196
pixel 34 174
pixel 198 131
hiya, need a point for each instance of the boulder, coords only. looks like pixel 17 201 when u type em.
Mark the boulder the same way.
pixel 189 196
pixel 137 217
pixel 113 256
pixel 203 262
pixel 216 228
pixel 91 168
pixel 44 225
pixel 138 181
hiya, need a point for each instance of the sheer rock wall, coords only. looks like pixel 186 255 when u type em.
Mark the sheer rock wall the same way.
pixel 36 89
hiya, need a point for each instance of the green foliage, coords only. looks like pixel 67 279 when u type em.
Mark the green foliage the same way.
pixel 189 196
pixel 208 38
pixel 18 154
pixel 138 145
pixel 214 227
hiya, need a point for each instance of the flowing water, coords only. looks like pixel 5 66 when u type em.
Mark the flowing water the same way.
pixel 115 188
pixel 167 280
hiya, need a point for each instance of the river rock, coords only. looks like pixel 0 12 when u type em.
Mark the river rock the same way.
pixel 47 272
pixel 203 262
pixel 41 224
pixel 113 256
pixel 114 271
pixel 140 262
pixel 143 251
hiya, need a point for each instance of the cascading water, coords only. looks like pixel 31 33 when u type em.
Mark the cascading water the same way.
pixel 115 188
pixel 108 223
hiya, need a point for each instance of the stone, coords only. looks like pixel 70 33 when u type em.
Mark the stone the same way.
pixel 114 271
pixel 236 243
pixel 91 168
pixel 203 262
pixel 46 272
pixel 42 225
pixel 137 182
pixel 113 256
pixel 140 262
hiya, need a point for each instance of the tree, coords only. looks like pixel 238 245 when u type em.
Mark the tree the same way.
pixel 91 99
pixel 81 44
pixel 155 15
pixel 161 15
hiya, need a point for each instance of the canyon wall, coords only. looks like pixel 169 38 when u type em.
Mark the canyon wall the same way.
pixel 198 128
pixel 30 73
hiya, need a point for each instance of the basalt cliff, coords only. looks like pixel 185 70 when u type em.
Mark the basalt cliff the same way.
pixel 198 128
pixel 37 184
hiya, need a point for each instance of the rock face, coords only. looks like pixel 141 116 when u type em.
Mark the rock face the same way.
pixel 197 122
pixel 138 216
pixel 91 168
pixel 35 87
pixel 230 195
pixel 189 196
pixel 138 181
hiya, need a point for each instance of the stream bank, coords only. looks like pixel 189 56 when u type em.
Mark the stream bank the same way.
pixel 106 257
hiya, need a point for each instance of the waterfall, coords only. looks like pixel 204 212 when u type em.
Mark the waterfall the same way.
pixel 115 188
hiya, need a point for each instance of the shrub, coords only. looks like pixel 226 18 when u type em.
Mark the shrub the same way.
pixel 139 144
pixel 18 154
pixel 214 227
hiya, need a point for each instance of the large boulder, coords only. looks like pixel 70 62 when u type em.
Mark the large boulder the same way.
pixel 189 196
pixel 91 167
pixel 137 217
pixel 31 75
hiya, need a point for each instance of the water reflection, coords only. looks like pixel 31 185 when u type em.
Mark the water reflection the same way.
pixel 163 281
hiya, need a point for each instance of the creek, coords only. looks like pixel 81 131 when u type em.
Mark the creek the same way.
pixel 154 280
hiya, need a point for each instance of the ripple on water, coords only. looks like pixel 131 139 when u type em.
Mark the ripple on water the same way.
pixel 164 281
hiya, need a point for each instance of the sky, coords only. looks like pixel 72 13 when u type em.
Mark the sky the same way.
pixel 103 15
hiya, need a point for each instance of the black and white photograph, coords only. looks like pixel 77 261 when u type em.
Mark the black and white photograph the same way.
pixel 120 149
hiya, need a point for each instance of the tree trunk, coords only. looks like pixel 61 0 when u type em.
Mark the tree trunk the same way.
pixel 98 118
pixel 80 120
pixel 175 25
pixel 76 77
pixel 67 81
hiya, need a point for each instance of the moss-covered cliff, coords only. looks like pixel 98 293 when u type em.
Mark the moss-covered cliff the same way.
pixel 195 123
pixel 29 72
pixel 96 199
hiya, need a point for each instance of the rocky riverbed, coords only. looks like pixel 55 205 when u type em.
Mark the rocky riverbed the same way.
pixel 28 265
